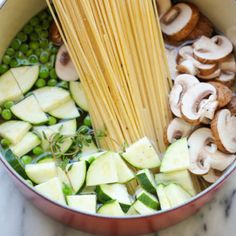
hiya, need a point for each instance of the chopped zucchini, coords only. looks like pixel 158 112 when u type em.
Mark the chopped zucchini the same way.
pixel 107 192
pixel 50 98
pixel 102 171
pixel 9 89
pixel 14 130
pixel 142 154
pixel 146 180
pixel 142 209
pixel 41 172
pixel 176 157
pixel 85 203
pixel 132 211
pixel 111 208
pixel 29 110
pixel 76 173
pixel 147 199
pixel 65 127
pixel 67 110
pixel 90 149
pixel 25 76
pixel 163 199
pixel 90 157
pixel 78 95
pixel 176 194
pixel 27 143
pixel 52 189
pixel 183 178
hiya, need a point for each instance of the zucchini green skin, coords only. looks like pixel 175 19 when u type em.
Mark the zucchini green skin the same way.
pixel 148 202
pixel 14 162
pixel 104 198
pixel 145 183
pixel 42 157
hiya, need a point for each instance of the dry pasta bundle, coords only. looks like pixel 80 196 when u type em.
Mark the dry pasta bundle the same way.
pixel 118 50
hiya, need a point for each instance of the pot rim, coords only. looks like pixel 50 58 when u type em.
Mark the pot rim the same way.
pixel 226 174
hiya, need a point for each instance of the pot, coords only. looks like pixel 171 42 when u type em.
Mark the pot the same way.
pixel 13 15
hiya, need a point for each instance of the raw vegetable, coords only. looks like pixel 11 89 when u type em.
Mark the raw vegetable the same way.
pixel 142 154
pixel 85 203
pixel 142 209
pixel 41 172
pixel 176 157
pixel 27 143
pixel 111 208
pixel 29 110
pixel 163 199
pixel 147 199
pixel 52 189
pixel 14 130
pixel 146 180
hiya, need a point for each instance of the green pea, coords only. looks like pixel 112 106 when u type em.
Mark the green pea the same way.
pixel 52 120
pixel 52 82
pixel 20 55
pixel 28 29
pixel 87 121
pixel 3 68
pixel 14 63
pixel 43 43
pixel 43 15
pixel 45 24
pixel 44 57
pixel 8 104
pixel 43 72
pixel 53 74
pixel 34 45
pixel 43 34
pixel 34 36
pixel 29 182
pixel 67 189
pixel 38 29
pixel 33 59
pixel 24 47
pixel 10 52
pixel 49 65
pixel 54 50
pixel 15 44
pixel 34 21
pixel 38 52
pixel 29 52
pixel 5 142
pixel 6 114
pixel 6 59
pixel 26 159
pixel 37 151
pixel 40 83
pixel 22 36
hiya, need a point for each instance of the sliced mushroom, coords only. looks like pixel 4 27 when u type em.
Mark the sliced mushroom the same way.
pixel 177 129
pixel 186 53
pixel 212 50
pixel 179 21
pixel 54 34
pixel 224 94
pixel 232 106
pixel 212 176
pixel 199 102
pixel 226 78
pixel 198 140
pixel 215 74
pixel 171 55
pixel 65 68
pixel 203 27
pixel 163 6
pixel 223 129
pixel 187 67
pixel 229 64
pixel 182 84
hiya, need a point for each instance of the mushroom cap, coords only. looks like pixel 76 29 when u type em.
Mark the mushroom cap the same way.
pixel 224 94
pixel 215 74
pixel 226 77
pixel 203 27
pixel 54 34
pixel 223 129
pixel 198 140
pixel 163 6
pixel 179 21
pixel 171 55
pixel 228 64
pixel 199 102
pixel 177 129
pixel 212 50
pixel 181 85
pixel 187 67
pixel 212 176
pixel 232 106
pixel 65 68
